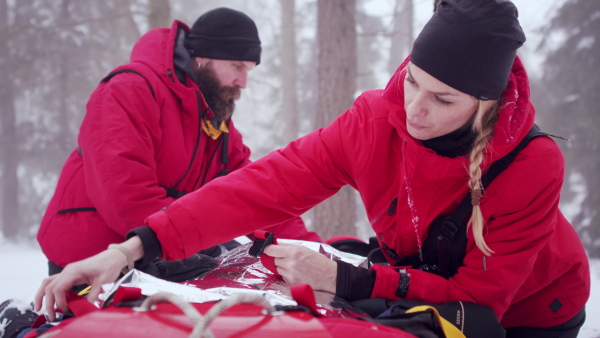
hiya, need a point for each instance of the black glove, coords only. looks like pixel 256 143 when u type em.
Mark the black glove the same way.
pixel 182 270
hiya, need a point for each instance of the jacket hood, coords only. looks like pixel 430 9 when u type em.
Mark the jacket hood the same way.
pixel 515 118
pixel 155 49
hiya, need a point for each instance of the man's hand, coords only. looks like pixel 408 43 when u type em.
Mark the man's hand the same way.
pixel 300 265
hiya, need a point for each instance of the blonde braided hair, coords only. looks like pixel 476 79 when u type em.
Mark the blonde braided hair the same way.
pixel 483 127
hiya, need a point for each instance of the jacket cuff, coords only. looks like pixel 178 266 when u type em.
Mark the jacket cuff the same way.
pixel 150 245
pixel 387 282
pixel 171 246
pixel 353 283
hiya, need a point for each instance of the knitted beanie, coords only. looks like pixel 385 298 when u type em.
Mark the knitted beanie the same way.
pixel 224 34
pixel 470 45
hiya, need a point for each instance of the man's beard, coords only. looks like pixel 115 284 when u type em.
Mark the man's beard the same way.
pixel 220 99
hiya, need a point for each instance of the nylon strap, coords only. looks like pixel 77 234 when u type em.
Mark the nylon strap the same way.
pixel 304 295
pixel 456 225
pixel 266 260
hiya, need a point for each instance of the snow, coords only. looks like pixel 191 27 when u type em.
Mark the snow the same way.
pixel 24 267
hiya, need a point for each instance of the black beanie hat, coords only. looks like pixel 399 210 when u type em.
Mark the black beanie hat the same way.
pixel 224 34
pixel 470 45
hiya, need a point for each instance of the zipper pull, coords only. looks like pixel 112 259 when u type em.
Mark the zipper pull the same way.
pixel 392 209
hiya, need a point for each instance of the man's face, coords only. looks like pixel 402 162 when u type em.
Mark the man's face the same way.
pixel 221 82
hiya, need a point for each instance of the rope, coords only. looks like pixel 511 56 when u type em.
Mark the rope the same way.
pixel 187 308
pixel 201 324
pixel 220 307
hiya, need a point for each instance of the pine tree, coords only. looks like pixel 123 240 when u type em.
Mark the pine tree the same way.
pixel 567 104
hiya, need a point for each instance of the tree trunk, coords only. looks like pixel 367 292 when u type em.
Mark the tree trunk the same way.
pixel 65 136
pixel 159 13
pixel 289 70
pixel 402 34
pixel 409 17
pixel 337 55
pixel 9 145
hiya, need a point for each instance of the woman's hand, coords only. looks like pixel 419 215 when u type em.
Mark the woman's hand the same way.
pixel 300 265
pixel 95 271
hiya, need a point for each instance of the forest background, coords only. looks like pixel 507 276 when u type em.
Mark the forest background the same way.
pixel 318 55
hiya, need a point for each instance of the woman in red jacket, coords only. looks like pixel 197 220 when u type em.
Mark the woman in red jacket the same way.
pixel 413 151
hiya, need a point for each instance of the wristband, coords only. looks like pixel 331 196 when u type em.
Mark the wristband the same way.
pixel 127 254
pixel 402 289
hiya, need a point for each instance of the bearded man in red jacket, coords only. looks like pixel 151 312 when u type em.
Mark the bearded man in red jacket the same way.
pixel 155 129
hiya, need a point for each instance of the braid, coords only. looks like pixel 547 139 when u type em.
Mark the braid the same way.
pixel 483 127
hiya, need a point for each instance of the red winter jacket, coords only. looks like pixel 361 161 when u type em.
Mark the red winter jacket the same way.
pixel 135 143
pixel 539 273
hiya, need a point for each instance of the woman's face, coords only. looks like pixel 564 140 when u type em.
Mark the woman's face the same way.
pixel 433 108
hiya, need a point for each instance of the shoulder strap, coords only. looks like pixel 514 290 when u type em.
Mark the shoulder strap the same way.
pixel 453 230
pixel 171 192
pixel 112 74
pixel 496 168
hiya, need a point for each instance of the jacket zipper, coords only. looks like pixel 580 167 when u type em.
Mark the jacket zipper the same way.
pixel 390 211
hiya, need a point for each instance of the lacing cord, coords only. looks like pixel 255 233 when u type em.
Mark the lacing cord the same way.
pixel 201 324
pixel 220 307
pixel 185 307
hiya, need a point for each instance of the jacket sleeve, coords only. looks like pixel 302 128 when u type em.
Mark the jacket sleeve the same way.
pixel 272 190
pixel 117 139
pixel 291 229
pixel 521 210
pixel 294 229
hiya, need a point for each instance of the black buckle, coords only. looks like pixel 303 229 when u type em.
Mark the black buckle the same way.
pixel 448 230
pixel 260 244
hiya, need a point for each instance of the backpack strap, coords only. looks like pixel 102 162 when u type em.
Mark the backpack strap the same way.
pixel 171 192
pixel 452 235
pixel 112 74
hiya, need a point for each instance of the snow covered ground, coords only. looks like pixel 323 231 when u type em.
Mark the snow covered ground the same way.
pixel 24 266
